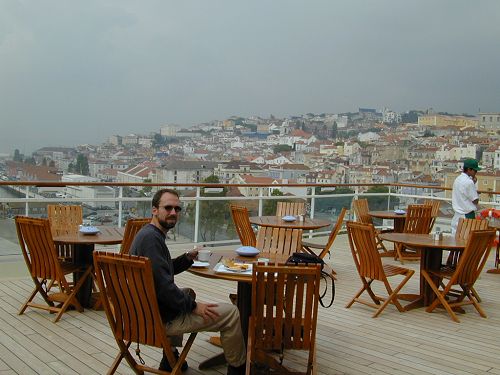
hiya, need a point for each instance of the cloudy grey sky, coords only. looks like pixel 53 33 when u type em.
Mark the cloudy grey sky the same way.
pixel 75 72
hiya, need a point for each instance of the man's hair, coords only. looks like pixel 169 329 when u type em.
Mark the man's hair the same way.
pixel 156 198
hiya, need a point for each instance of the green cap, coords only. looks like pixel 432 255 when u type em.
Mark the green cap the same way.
pixel 472 164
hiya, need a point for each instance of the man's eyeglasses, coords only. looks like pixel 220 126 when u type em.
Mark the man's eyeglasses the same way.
pixel 169 208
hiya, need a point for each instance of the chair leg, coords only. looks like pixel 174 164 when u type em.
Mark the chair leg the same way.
pixel 475 294
pixel 440 298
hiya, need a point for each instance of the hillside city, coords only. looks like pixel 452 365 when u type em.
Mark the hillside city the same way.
pixel 368 146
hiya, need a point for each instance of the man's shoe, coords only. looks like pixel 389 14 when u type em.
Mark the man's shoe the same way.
pixel 240 370
pixel 165 365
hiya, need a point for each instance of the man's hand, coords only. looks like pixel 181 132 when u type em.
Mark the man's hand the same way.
pixel 193 253
pixel 206 310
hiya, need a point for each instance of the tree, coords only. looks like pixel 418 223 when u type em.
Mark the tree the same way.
pixel 377 203
pixel 333 204
pixel 82 165
pixel 281 148
pixel 269 206
pixel 214 215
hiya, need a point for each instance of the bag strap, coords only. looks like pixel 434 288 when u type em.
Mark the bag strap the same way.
pixel 325 276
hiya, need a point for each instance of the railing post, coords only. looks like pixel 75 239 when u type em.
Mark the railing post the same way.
pixel 313 201
pixel 389 198
pixel 260 201
pixel 197 214
pixel 120 206
pixel 27 205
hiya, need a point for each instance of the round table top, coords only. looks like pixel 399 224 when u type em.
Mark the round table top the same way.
pixel 216 257
pixel 278 222
pixel 105 236
pixel 389 214
pixel 424 240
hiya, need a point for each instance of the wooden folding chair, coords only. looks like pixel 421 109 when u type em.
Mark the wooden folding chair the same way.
pixel 290 208
pixel 63 220
pixel 242 224
pixel 469 266
pixel 310 247
pixel 284 316
pixel 360 207
pixel 435 204
pixel 279 240
pixel 370 268
pixel 464 229
pixel 418 219
pixel 45 268
pixel 131 228
pixel 129 299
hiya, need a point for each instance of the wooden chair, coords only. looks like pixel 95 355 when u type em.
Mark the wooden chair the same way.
pixel 360 207
pixel 290 208
pixel 39 252
pixel 131 228
pixel 242 224
pixel 129 299
pixel 370 268
pixel 464 229
pixel 418 219
pixel 435 204
pixel 310 247
pixel 284 316
pixel 464 275
pixel 279 240
pixel 63 220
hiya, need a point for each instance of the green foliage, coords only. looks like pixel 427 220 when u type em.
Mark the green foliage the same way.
pixel 378 203
pixel 18 156
pixel 333 203
pixel 214 215
pixel 281 148
pixel 269 206
pixel 82 165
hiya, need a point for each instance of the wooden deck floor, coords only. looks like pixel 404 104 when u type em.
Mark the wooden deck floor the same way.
pixel 349 341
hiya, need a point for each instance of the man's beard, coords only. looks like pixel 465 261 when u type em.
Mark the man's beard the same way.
pixel 167 224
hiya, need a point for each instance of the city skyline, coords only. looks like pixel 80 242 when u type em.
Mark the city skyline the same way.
pixel 78 73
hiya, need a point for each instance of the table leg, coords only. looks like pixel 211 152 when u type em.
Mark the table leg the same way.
pixel 430 260
pixel 83 257
pixel 245 309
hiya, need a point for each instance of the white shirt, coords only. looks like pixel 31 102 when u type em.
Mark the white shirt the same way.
pixel 464 192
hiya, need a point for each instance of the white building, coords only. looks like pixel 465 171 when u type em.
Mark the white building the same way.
pixel 97 195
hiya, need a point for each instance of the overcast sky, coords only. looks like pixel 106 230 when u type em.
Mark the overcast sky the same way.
pixel 74 72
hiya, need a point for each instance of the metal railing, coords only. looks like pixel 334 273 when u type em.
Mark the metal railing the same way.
pixel 207 218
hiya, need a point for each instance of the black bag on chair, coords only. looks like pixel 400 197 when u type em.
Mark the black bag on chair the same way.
pixel 305 258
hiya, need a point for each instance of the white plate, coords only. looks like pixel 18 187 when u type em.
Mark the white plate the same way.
pixel 289 218
pixel 89 230
pixel 198 264
pixel 247 251
pixel 399 212
pixel 220 268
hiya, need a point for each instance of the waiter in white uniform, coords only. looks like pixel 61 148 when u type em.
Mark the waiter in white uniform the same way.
pixel 464 197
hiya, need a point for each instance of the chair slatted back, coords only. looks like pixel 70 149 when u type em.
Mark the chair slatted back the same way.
pixel 126 283
pixel 364 250
pixel 242 224
pixel 466 226
pixel 290 208
pixel 471 260
pixel 131 228
pixel 333 234
pixel 279 240
pixel 64 219
pixel 284 310
pixel 435 204
pixel 39 251
pixel 361 209
pixel 418 219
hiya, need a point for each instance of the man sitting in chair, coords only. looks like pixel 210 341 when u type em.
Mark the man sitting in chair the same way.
pixel 179 310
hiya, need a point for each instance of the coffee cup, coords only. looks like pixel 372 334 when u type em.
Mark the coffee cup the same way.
pixel 204 255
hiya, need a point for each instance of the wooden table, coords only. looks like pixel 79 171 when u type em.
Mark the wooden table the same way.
pixel 278 222
pixel 399 219
pixel 244 289
pixel 84 246
pixel 430 259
